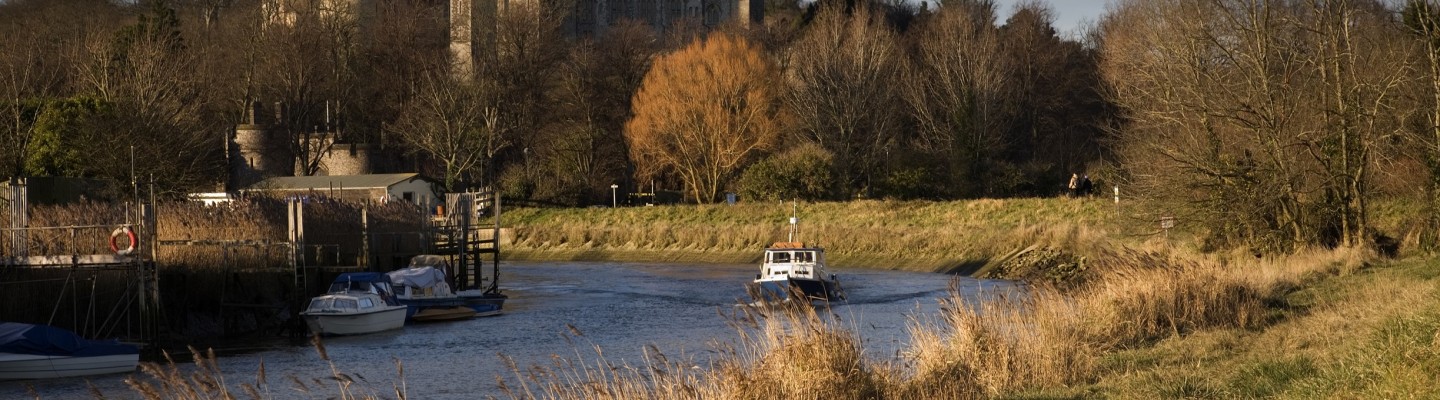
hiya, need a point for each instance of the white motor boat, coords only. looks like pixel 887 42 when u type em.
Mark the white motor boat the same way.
pixel 352 313
pixel 41 352
pixel 792 268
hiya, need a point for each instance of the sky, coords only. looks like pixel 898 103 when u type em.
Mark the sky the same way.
pixel 1070 15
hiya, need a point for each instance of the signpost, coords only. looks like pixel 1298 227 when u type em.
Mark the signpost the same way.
pixel 1117 201
pixel 1165 224
pixel 614 201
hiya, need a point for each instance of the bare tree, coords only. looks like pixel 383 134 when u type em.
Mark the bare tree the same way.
pixel 1422 17
pixel 455 123
pixel 529 47
pixel 584 148
pixel 1057 111
pixel 842 93
pixel 958 90
pixel 148 74
pixel 302 60
pixel 1259 119
pixel 1359 78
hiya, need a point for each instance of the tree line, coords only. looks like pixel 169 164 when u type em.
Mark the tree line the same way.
pixel 1269 124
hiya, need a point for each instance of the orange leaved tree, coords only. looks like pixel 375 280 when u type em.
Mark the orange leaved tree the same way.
pixel 703 112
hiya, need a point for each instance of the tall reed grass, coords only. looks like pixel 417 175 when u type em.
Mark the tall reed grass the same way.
pixel 205 380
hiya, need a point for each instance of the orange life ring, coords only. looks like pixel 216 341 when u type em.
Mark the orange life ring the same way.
pixel 126 232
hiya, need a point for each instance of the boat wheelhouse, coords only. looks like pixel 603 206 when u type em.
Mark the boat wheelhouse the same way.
pixel 792 268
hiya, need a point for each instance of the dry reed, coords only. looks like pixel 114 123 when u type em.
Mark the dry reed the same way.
pixel 205 380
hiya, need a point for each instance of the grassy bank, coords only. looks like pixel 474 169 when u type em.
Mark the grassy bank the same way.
pixel 915 235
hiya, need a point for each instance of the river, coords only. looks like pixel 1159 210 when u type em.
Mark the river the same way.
pixel 563 309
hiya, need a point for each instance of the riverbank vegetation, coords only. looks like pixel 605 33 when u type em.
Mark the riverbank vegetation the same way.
pixel 1316 324
pixel 1146 318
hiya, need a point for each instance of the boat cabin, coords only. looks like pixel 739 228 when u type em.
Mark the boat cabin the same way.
pixel 345 303
pixel 793 259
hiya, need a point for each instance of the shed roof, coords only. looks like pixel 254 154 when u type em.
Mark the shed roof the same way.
pixel 372 181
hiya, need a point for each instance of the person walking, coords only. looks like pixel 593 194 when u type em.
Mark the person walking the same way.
pixel 1073 188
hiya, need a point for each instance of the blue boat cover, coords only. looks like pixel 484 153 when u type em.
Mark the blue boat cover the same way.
pixel 360 282
pixel 363 277
pixel 45 340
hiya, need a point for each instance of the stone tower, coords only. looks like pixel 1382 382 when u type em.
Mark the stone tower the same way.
pixel 472 33
pixel 257 151
pixel 346 159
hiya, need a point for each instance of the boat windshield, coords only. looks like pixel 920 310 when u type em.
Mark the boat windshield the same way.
pixel 351 286
pixel 319 304
pixel 780 257
pixel 331 304
pixel 788 256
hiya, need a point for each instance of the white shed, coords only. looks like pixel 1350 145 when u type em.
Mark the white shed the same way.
pixel 411 188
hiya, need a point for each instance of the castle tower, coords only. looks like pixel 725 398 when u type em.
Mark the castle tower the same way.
pixel 472 34
pixel 257 151
pixel 343 158
pixel 346 159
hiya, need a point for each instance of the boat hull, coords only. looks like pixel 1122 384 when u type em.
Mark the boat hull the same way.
pixel 25 366
pixel 484 304
pixel 812 289
pixel 433 314
pixel 437 309
pixel 337 324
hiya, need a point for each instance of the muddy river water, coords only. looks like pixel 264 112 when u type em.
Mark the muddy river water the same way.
pixel 560 309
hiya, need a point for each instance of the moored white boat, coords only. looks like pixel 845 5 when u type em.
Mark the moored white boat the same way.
pixel 352 313
pixel 41 352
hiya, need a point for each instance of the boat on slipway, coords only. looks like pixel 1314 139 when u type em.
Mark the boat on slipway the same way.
pixel 791 268
pixel 30 351
pixel 356 303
